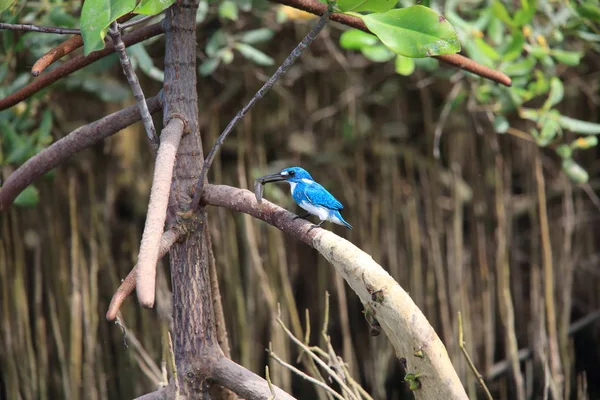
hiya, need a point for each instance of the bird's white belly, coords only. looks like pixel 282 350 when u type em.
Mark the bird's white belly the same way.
pixel 321 212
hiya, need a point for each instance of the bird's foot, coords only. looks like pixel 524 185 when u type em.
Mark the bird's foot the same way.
pixel 315 226
pixel 303 216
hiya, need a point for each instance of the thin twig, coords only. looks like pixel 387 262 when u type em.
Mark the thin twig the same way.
pixel 41 29
pixel 321 363
pixel 283 68
pixel 304 376
pixel 547 261
pixel 77 63
pixel 68 146
pixel 464 63
pixel 172 361
pixel 268 379
pixel 115 34
pixel 437 135
pixel 157 211
pixel 461 344
pixel 63 49
pixel 135 22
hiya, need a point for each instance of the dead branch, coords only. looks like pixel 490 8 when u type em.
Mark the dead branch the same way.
pixel 157 211
pixel 71 144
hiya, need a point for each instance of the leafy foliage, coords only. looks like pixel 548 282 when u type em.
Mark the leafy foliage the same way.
pixel 96 17
pixel 531 41
pixel 415 32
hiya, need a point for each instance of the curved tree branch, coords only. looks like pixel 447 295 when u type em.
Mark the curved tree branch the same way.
pixel 58 52
pixel 462 62
pixel 128 284
pixel 61 150
pixel 403 322
pixel 77 63
pixel 157 211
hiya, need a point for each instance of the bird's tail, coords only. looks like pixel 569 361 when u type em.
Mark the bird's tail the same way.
pixel 338 219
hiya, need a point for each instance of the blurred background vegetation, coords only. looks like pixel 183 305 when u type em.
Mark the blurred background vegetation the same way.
pixel 442 174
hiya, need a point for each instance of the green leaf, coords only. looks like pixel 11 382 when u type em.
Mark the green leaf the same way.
pixel 549 131
pixel 578 126
pixel 518 68
pixel 499 10
pixel 143 60
pixel 96 17
pixel 377 6
pixel 564 151
pixel 514 48
pixel 501 124
pixel 228 10
pixel 355 39
pixel 485 48
pixel 495 31
pixel 574 171
pixel 378 53
pixel 415 31
pixel 215 43
pixel 209 66
pixel 29 197
pixel 571 124
pixel 557 91
pixel 589 11
pixel 427 64
pixel 226 55
pixel 585 143
pixel 524 16
pixel 202 11
pixel 257 36
pixel 4 4
pixel 571 58
pixel 152 7
pixel 43 131
pixel 253 54
pixel 404 66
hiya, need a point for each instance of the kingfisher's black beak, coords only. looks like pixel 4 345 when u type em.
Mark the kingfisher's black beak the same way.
pixel 272 178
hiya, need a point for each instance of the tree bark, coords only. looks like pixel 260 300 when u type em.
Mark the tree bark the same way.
pixel 194 335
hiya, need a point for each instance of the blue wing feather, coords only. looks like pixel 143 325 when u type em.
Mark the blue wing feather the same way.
pixel 319 196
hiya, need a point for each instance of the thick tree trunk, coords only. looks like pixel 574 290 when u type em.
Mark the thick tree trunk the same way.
pixel 194 335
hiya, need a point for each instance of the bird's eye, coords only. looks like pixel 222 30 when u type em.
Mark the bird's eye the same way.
pixel 292 173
